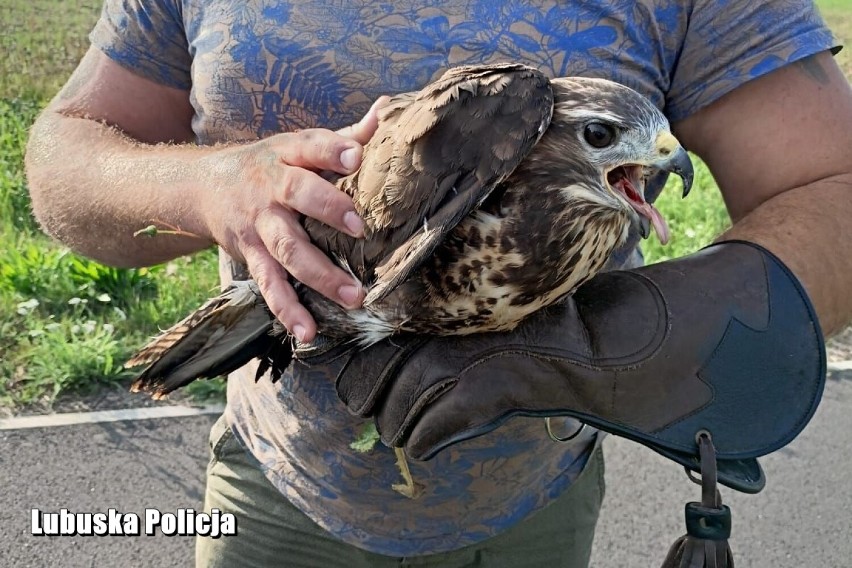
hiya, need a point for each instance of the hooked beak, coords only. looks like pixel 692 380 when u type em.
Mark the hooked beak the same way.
pixel 674 159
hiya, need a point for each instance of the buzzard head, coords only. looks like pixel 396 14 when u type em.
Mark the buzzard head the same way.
pixel 605 140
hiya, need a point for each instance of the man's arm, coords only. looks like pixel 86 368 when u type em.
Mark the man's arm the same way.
pixel 77 156
pixel 779 148
pixel 110 155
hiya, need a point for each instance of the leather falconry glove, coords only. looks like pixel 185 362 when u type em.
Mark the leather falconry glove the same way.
pixel 724 340
pixel 711 360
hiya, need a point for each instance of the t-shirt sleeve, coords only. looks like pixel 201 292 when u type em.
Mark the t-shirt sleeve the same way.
pixel 729 42
pixel 146 37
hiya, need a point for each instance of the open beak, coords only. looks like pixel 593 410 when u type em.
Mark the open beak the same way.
pixel 675 160
pixel 629 181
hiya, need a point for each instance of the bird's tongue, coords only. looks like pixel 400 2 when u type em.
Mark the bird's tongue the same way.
pixel 657 221
pixel 627 184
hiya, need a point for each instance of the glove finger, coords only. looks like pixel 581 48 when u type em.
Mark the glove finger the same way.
pixel 446 421
pixel 402 409
pixel 421 379
pixel 362 380
pixel 481 401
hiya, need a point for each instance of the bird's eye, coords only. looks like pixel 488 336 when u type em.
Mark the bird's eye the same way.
pixel 599 135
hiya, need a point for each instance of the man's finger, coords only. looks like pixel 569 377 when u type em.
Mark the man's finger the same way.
pixel 314 197
pixel 318 149
pixel 364 129
pixel 288 244
pixel 280 296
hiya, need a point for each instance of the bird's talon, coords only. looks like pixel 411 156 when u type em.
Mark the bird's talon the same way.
pixel 412 491
pixel 409 489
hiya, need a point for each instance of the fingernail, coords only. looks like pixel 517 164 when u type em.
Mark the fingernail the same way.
pixel 349 294
pixel 349 159
pixel 354 223
pixel 300 332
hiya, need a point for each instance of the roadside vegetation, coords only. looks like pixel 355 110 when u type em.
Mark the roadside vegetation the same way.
pixel 68 323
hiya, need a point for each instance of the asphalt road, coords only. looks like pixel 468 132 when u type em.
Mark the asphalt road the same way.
pixel 128 466
pixel 801 519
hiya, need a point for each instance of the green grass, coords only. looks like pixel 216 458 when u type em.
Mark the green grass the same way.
pixel 41 43
pixel 67 323
pixel 829 7
pixel 694 222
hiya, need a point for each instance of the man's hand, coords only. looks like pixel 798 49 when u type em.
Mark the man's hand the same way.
pixel 253 211
pixel 724 340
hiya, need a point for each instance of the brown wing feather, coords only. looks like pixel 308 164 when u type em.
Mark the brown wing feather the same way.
pixel 221 336
pixel 175 334
pixel 488 122
pixel 435 157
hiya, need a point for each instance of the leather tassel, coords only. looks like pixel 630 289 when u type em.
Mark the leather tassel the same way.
pixel 708 524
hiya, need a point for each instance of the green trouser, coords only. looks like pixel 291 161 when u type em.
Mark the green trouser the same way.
pixel 273 532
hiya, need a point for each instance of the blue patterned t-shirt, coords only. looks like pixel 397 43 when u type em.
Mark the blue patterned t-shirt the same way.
pixel 254 68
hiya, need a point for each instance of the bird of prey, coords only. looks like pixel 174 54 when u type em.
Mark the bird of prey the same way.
pixel 489 194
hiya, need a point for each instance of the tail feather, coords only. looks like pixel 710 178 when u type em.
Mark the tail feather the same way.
pixel 221 336
pixel 178 332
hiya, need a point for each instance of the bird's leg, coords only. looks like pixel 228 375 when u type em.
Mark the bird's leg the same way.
pixel 410 489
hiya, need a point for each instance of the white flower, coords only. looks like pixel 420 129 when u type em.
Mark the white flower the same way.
pixel 104 298
pixel 109 328
pixel 25 308
pixel 89 327
pixel 119 313
pixel 76 301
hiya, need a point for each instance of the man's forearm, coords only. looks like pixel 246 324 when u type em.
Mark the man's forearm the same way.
pixel 809 228
pixel 92 187
pixel 778 147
